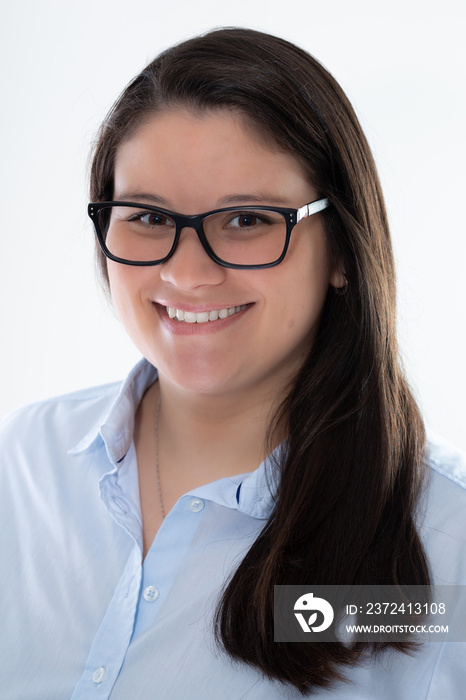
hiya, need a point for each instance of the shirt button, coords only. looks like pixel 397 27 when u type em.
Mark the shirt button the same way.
pixel 150 594
pixel 196 504
pixel 99 675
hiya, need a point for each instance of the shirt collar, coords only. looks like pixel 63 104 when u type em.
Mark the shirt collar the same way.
pixel 252 493
pixel 117 425
pixel 257 493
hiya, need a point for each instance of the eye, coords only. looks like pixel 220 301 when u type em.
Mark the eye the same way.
pixel 246 219
pixel 152 218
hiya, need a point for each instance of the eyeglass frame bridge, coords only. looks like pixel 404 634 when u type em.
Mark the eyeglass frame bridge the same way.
pixel 291 216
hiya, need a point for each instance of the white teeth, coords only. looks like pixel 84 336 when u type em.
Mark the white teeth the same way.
pixel 202 316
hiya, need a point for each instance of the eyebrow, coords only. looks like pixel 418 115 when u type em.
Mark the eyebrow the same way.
pixel 143 197
pixel 253 198
pixel 259 197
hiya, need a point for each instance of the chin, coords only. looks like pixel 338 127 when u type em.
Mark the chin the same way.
pixel 196 374
pixel 200 384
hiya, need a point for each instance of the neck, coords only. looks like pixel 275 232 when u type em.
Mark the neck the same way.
pixel 200 439
pixel 214 436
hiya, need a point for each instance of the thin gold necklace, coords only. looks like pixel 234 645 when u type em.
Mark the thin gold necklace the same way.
pixel 157 471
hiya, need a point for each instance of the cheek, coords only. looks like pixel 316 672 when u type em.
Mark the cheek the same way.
pixel 118 290
pixel 305 291
pixel 125 291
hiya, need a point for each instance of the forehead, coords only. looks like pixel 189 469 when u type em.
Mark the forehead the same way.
pixel 192 156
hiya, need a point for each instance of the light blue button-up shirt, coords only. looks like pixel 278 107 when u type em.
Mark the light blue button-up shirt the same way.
pixel 81 616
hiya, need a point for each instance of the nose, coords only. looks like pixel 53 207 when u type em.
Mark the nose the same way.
pixel 190 266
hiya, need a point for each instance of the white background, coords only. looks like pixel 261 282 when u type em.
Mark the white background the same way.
pixel 402 64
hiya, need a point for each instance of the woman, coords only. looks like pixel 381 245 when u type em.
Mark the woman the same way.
pixel 268 437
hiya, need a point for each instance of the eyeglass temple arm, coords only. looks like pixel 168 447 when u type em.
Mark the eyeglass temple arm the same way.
pixel 312 208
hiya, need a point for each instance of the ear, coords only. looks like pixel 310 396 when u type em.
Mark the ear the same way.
pixel 338 278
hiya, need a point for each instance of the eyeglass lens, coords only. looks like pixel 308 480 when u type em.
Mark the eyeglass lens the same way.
pixel 242 237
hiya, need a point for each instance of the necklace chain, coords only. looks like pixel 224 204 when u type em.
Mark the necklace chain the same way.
pixel 157 470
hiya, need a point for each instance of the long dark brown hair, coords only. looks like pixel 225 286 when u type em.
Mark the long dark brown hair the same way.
pixel 351 477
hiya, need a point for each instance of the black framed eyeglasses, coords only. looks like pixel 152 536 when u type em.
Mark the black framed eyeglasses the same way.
pixel 236 237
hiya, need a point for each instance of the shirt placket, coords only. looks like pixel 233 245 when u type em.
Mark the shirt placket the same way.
pixel 113 637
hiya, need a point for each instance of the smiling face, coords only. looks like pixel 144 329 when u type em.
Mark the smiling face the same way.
pixel 261 322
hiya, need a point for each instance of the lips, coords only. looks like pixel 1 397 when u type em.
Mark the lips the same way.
pixel 203 316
